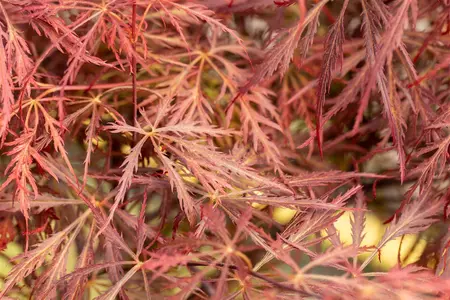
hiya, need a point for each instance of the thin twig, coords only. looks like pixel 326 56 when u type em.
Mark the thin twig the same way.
pixel 133 62
pixel 254 274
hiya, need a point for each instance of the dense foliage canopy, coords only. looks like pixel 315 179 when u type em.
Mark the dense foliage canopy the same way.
pixel 224 149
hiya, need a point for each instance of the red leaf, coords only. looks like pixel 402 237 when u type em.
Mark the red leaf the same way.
pixel 7 231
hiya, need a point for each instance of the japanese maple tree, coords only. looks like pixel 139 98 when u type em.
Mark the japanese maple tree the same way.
pixel 197 149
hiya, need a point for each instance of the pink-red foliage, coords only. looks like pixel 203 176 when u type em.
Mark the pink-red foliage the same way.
pixel 148 146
